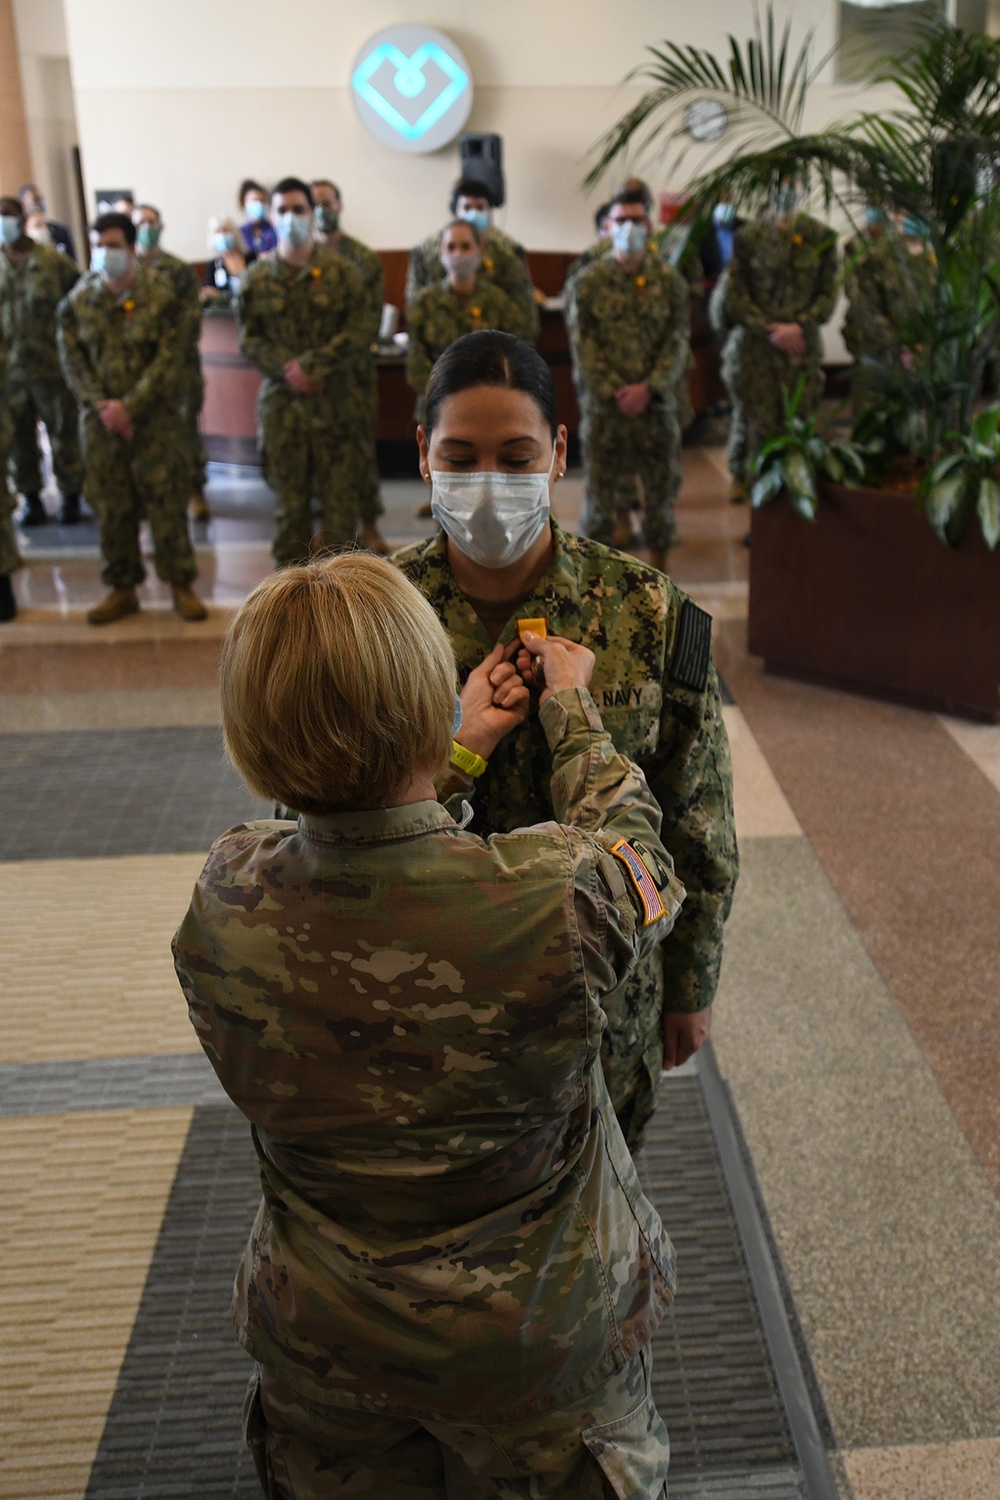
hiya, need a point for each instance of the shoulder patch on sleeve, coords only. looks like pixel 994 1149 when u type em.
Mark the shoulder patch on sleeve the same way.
pixel 692 648
pixel 642 880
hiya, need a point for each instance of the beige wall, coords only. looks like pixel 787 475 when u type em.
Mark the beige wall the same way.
pixel 48 103
pixel 179 99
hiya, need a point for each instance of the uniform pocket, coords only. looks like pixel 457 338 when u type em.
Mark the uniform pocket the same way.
pixel 632 1453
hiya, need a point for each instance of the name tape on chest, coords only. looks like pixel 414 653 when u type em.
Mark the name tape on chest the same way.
pixel 692 649
pixel 641 879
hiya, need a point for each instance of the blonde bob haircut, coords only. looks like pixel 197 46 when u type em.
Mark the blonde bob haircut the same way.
pixel 338 683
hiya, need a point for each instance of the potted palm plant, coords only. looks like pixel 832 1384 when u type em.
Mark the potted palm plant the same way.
pixel 890 585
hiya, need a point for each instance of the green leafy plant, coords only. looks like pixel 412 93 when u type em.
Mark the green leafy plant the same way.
pixel 966 482
pixel 935 156
pixel 794 460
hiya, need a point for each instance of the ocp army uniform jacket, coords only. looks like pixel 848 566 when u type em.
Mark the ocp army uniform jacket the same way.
pixel 656 688
pixel 410 1017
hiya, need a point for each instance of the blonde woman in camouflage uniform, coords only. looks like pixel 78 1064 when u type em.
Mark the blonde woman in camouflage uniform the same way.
pixel 454 1275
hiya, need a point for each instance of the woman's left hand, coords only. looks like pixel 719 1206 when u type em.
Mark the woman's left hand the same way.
pixel 494 701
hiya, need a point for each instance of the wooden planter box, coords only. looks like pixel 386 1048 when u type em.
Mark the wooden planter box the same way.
pixel 869 599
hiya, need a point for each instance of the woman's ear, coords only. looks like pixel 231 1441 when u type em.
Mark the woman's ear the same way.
pixel 561 437
pixel 425 463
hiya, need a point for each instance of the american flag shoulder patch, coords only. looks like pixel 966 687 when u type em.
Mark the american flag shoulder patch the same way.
pixel 641 879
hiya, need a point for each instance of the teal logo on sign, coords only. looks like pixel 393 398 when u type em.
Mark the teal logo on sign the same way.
pixel 412 88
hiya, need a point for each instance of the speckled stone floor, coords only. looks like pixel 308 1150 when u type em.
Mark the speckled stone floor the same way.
pixel 858 1023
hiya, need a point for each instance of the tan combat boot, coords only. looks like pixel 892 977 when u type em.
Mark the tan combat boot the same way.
pixel 188 605
pixel 118 604
pixel 622 534
pixel 373 540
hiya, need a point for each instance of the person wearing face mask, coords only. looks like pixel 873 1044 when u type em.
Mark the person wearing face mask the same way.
pixel 781 287
pixel 464 302
pixel 889 278
pixel 630 338
pixel 59 235
pixel 503 261
pixel 363 389
pixel 125 364
pixel 717 244
pixel 229 261
pixel 184 279
pixel 304 321
pixel 259 234
pixel 33 280
pixel 10 559
pixel 491 448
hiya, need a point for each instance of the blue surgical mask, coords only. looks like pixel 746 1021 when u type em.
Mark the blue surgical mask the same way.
pixel 456 722
pixel 327 218
pixel 913 228
pixel 479 217
pixel 629 236
pixel 294 229
pixel 256 209
pixel 224 242
pixel 110 262
pixel 493 518
pixel 11 230
pixel 874 217
pixel 148 236
pixel 724 214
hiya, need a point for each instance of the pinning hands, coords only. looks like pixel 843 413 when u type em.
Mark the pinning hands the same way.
pixel 115 417
pixel 633 400
pixel 565 664
pixel 299 381
pixel 494 701
pixel 789 338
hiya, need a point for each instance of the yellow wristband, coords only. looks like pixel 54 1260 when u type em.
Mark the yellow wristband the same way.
pixel 467 760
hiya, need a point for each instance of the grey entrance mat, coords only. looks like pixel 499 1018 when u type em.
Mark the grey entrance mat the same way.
pixel 118 791
pixel 173 1426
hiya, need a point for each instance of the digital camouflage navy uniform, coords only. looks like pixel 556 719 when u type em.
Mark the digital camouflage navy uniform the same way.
pixel 658 694
pixel 439 316
pixel 778 274
pixel 886 287
pixel 364 386
pixel 318 314
pixel 187 290
pixel 454 1269
pixel 503 266
pixel 30 291
pixel 628 327
pixel 10 559
pixel 126 349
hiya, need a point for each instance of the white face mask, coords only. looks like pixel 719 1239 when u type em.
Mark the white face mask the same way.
pixel 493 518
pixel 629 236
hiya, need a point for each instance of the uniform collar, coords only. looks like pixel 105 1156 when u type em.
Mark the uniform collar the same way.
pixel 385 825
pixel 555 596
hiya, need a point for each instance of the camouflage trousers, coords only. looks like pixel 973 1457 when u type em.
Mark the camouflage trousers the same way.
pixel 144 477
pixel 192 396
pixel 48 401
pixel 10 558
pixel 619 451
pixel 363 458
pixel 610 1445
pixel 758 376
pixel 306 452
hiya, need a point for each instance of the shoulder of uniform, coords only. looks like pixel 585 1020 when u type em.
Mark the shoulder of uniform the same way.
pixel 411 560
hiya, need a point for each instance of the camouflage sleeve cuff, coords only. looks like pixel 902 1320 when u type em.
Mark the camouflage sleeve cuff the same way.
pixel 566 712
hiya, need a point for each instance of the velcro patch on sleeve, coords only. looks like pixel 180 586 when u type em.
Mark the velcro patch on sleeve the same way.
pixel 693 648
pixel 641 879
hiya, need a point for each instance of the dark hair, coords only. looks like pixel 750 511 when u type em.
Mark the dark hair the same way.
pixel 150 208
pixel 115 221
pixel 635 185
pixel 631 195
pixel 250 185
pixel 490 358
pixel 470 187
pixel 292 185
pixel 325 182
pixel 11 205
pixel 600 214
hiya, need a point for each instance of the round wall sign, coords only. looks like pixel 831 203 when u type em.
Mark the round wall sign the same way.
pixel 412 88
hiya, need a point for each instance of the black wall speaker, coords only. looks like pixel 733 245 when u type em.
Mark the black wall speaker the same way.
pixel 482 158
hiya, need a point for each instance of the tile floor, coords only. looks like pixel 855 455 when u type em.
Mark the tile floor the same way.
pixel 858 1021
